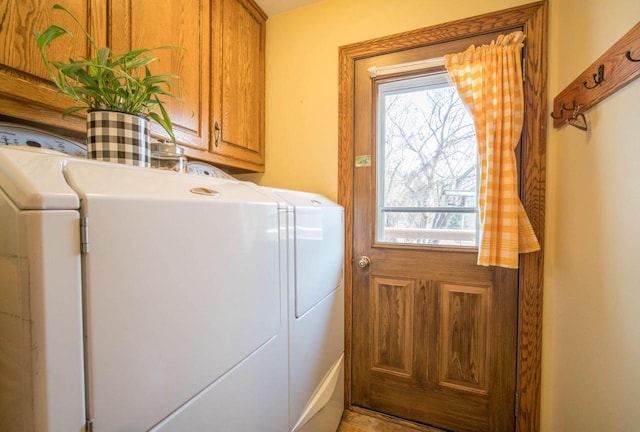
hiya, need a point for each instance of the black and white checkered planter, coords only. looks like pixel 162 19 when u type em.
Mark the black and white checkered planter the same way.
pixel 118 137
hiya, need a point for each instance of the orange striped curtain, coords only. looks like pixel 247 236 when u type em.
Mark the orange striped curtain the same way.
pixel 489 81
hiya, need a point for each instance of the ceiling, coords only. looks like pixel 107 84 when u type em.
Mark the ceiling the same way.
pixel 274 7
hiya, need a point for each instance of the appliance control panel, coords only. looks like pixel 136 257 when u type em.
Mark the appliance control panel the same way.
pixel 20 135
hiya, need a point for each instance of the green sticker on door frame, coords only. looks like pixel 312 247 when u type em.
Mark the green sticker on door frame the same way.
pixel 363 161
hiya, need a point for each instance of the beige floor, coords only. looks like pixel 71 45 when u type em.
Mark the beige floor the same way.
pixel 362 421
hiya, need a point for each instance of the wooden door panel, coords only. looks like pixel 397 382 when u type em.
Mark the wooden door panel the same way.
pixel 391 321
pixel 411 403
pixel 465 337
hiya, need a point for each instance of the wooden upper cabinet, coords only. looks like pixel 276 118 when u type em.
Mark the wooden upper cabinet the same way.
pixel 25 89
pixel 237 119
pixel 183 25
pixel 218 55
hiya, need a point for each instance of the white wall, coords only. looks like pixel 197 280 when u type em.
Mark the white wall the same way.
pixel 591 337
pixel 591 334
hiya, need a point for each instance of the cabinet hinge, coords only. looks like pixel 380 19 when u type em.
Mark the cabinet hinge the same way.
pixel 88 426
pixel 84 235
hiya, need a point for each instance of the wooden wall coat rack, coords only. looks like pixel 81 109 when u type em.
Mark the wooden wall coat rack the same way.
pixel 617 67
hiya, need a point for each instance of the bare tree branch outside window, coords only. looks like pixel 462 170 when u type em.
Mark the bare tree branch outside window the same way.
pixel 430 167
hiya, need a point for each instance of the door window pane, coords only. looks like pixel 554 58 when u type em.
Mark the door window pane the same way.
pixel 427 164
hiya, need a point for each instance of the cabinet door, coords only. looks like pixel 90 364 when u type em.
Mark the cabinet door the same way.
pixel 238 84
pixel 25 90
pixel 184 25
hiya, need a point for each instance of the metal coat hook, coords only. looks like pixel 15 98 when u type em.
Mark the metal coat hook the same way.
pixel 597 78
pixel 628 56
pixel 562 110
pixel 559 116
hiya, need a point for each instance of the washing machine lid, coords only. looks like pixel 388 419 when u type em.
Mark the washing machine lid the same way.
pixel 33 178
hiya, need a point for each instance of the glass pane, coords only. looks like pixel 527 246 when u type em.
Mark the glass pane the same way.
pixel 430 228
pixel 427 177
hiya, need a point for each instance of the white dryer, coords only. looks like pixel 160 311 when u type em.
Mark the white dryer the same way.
pixel 315 311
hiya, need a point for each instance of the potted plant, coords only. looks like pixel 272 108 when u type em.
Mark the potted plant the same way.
pixel 117 90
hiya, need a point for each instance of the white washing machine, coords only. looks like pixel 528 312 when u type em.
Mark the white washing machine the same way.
pixel 135 299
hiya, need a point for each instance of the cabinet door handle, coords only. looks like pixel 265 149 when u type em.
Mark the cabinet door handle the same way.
pixel 216 128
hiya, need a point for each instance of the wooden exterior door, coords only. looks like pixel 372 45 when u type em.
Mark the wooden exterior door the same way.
pixel 532 19
pixel 434 334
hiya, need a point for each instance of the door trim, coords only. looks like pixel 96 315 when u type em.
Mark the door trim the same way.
pixel 532 20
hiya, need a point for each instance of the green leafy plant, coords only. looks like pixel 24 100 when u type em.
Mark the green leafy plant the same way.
pixel 109 81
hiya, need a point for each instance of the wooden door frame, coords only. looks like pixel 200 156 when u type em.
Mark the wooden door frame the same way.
pixel 532 19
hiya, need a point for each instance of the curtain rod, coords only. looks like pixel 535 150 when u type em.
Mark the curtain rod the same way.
pixel 405 67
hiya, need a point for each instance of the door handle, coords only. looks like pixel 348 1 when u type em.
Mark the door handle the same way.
pixel 364 262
